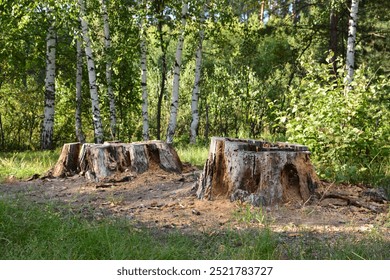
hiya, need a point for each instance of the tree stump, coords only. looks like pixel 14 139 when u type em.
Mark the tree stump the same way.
pixel 100 161
pixel 67 163
pixel 258 172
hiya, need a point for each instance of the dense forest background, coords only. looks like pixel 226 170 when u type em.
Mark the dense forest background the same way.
pixel 274 69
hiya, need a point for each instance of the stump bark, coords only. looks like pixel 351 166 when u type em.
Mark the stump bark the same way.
pixel 100 161
pixel 258 172
pixel 67 164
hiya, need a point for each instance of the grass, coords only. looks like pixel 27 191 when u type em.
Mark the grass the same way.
pixel 22 165
pixel 44 232
pixel 195 154
pixel 29 231
pixel 372 246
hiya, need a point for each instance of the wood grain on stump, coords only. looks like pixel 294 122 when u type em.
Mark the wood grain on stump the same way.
pixel 257 172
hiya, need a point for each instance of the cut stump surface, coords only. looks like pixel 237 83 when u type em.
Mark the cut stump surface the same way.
pixel 258 172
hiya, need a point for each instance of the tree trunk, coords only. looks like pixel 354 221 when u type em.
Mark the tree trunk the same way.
pixel 176 78
pixel 350 61
pixel 258 172
pixel 48 121
pixel 296 11
pixel 196 89
pixel 67 164
pixel 144 85
pixel 207 125
pixel 163 77
pixel 110 93
pixel 333 39
pixel 97 121
pixel 261 12
pixel 79 78
pixel 2 142
pixel 104 161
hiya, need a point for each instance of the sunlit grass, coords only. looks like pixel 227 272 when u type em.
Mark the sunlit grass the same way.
pixel 194 154
pixel 22 165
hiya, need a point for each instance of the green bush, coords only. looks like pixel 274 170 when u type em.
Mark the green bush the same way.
pixel 347 131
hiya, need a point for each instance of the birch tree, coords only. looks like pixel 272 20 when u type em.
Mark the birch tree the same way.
pixel 159 7
pixel 107 45
pixel 176 77
pixel 350 60
pixel 48 121
pixel 97 121
pixel 144 73
pixel 79 77
pixel 198 70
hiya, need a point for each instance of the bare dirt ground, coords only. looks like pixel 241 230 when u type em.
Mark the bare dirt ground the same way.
pixel 157 199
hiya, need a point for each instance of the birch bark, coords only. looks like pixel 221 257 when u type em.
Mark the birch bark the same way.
pixel 176 77
pixel 48 121
pixel 144 85
pixel 350 61
pixel 110 92
pixel 97 121
pixel 196 88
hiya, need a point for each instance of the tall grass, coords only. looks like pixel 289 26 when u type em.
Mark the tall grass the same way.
pixel 194 154
pixel 25 164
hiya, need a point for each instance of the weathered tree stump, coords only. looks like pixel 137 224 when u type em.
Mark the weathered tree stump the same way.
pixel 258 172
pixel 99 161
pixel 67 163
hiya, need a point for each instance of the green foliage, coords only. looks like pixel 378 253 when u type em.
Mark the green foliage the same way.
pixel 347 131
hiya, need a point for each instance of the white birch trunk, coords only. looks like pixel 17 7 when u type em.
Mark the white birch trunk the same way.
pixel 110 93
pixel 79 77
pixel 350 63
pixel 196 88
pixel 176 78
pixel 144 84
pixel 48 121
pixel 97 121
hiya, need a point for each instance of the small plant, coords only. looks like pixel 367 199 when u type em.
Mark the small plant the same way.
pixel 249 214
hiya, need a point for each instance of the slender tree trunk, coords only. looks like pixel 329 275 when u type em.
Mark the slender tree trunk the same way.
pixel 207 125
pixel 2 143
pixel 48 121
pixel 333 39
pixel 163 77
pixel 110 92
pixel 196 88
pixel 144 85
pixel 176 77
pixel 351 43
pixel 97 121
pixel 79 77
pixel 296 14
pixel 261 12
